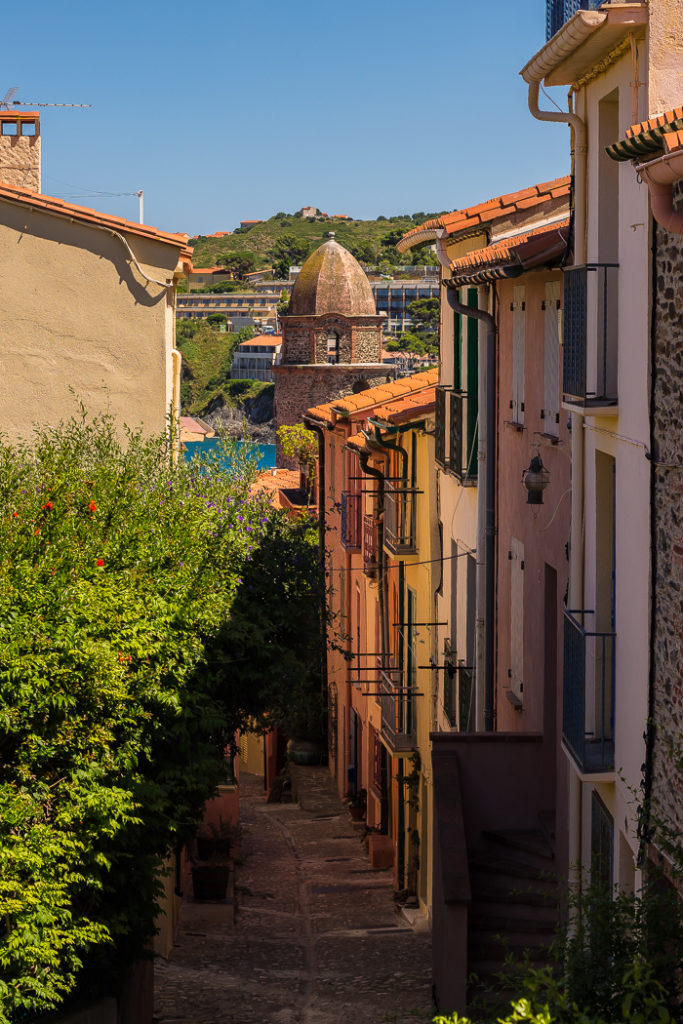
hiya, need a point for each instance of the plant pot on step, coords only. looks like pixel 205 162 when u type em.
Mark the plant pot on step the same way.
pixel 210 881
pixel 213 847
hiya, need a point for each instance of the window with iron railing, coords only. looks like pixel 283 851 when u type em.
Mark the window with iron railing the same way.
pixel 399 518
pixel 458 696
pixel 370 550
pixel 394 732
pixel 463 432
pixel 351 520
pixel 590 334
pixel 441 403
pixel 588 693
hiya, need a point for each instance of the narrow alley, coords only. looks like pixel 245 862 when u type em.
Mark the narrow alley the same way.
pixel 314 937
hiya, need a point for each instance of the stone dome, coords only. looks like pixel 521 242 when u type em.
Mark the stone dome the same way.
pixel 332 281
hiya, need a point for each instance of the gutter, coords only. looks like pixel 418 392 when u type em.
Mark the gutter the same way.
pixel 487 453
pixel 659 175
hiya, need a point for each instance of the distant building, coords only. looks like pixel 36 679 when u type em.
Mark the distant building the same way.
pixel 202 277
pixel 254 359
pixel 194 429
pixel 249 223
pixel 309 212
pixel 20 148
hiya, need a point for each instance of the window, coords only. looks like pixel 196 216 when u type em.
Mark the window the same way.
pixel 518 328
pixel 333 347
pixel 551 362
pixel 28 128
pixel 10 128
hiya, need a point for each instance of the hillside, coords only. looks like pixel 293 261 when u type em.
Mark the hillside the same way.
pixel 261 237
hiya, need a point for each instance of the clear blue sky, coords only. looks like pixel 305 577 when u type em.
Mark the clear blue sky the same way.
pixel 228 111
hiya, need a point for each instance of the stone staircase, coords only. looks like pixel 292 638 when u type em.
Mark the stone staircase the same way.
pixel 513 911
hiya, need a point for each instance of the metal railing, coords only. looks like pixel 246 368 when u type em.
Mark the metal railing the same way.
pixel 463 437
pixel 590 336
pixel 588 693
pixel 397 716
pixel 370 559
pixel 351 520
pixel 399 518
pixel 458 697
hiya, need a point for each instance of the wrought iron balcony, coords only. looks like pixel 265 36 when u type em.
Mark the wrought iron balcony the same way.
pixel 370 551
pixel 463 437
pixel 458 697
pixel 590 335
pixel 398 714
pixel 588 693
pixel 399 518
pixel 351 520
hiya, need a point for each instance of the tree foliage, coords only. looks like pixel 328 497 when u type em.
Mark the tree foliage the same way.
pixel 288 250
pixel 118 573
pixel 240 263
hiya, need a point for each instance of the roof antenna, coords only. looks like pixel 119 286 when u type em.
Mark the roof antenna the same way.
pixel 8 100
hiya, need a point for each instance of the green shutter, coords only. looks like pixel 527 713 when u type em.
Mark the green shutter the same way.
pixel 472 380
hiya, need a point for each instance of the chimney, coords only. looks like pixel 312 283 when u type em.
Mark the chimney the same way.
pixel 20 148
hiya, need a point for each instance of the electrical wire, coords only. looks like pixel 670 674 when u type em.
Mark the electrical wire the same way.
pixel 542 529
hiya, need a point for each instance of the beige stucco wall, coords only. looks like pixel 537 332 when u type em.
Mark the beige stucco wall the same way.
pixel 665 59
pixel 80 323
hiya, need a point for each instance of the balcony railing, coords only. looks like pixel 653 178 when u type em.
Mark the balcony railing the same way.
pixel 370 560
pixel 463 436
pixel 399 518
pixel 440 426
pixel 458 697
pixel 588 695
pixel 398 714
pixel 351 520
pixel 590 335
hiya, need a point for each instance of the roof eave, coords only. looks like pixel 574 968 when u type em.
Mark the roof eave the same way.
pixel 562 62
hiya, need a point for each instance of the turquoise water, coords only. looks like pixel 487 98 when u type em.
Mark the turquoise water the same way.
pixel 264 452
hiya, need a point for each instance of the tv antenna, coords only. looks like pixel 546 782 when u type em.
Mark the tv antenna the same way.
pixel 8 101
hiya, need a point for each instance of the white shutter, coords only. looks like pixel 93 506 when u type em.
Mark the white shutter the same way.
pixel 518 317
pixel 551 364
pixel 516 618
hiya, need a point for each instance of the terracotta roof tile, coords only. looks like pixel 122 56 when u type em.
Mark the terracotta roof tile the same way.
pixel 509 249
pixel 407 408
pixel 661 121
pixel 356 440
pixel 483 213
pixel 364 401
pixel 673 140
pixel 263 339
pixel 52 205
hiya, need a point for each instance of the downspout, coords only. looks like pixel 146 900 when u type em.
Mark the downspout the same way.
pixel 659 175
pixel 488 452
pixel 579 162
pixel 319 430
pixel 378 475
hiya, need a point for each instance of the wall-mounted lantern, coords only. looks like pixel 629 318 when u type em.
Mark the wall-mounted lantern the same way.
pixel 535 479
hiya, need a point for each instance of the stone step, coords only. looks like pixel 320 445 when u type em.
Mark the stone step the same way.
pixel 531 841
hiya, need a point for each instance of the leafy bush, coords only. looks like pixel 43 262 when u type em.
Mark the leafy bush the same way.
pixel 118 571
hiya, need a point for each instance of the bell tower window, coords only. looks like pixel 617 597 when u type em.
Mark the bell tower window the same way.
pixel 332 347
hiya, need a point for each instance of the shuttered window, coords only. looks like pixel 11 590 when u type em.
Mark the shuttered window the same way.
pixel 516 619
pixel 518 318
pixel 551 363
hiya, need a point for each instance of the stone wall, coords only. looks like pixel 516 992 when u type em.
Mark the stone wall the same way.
pixel 298 388
pixel 297 343
pixel 667 783
pixel 304 338
pixel 367 344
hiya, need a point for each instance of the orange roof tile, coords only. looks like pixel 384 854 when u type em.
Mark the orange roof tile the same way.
pixel 356 440
pixel 673 140
pixel 263 339
pixel 365 401
pixel 407 408
pixel 84 213
pixel 492 209
pixel 210 270
pixel 510 249
pixel 661 121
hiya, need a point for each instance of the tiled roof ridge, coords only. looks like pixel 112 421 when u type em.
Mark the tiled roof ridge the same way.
pixel 488 210
pixel 647 137
pixel 58 206
pixel 653 123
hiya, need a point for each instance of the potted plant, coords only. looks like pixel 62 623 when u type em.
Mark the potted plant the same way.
pixel 214 840
pixel 210 880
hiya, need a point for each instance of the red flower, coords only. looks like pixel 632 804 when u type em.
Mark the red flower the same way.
pixel 15 515
pixel 100 561
pixel 47 506
pixel 36 532
pixel 92 506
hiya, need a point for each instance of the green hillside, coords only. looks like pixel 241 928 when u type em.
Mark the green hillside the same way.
pixel 207 358
pixel 368 235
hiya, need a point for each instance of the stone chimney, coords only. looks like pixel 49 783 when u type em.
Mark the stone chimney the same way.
pixel 20 148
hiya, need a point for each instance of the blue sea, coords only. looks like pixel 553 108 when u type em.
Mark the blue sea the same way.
pixel 265 452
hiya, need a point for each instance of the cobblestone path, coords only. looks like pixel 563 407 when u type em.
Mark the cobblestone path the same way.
pixel 315 937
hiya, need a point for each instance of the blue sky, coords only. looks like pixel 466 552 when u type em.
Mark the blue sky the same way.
pixel 243 109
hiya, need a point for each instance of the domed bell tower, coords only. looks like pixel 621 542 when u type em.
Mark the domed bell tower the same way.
pixel 331 336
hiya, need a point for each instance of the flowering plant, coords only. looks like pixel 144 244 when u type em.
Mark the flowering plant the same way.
pixel 119 566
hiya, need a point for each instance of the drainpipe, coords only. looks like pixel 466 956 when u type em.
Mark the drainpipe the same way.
pixel 659 175
pixel 363 457
pixel 579 170
pixel 487 453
